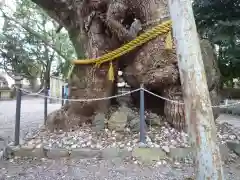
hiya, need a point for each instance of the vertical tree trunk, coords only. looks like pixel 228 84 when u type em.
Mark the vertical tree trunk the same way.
pixel 198 112
pixel 34 84
pixel 89 81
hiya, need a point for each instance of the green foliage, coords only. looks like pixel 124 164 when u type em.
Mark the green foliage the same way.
pixel 15 57
pixel 219 21
pixel 30 44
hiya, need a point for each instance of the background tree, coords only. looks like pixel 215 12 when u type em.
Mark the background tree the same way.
pixel 31 44
pixel 219 21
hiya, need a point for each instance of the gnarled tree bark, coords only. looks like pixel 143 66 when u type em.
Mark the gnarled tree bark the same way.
pixel 96 27
pixel 88 34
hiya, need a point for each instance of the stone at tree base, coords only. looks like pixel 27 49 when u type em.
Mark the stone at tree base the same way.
pixel 128 111
pixel 149 155
pixel 23 152
pixel 234 146
pixel 135 125
pixel 154 119
pixel 181 153
pixel 98 122
pixel 118 121
pixel 56 120
pixel 55 153
pixel 131 113
pixel 84 153
pixel 28 146
pixel 111 153
pixel 38 152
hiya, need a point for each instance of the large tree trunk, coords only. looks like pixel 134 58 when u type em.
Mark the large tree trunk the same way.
pixel 150 64
pixel 89 81
pixel 173 110
pixel 89 37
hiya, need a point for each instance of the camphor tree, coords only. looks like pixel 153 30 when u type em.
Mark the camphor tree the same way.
pixel 98 26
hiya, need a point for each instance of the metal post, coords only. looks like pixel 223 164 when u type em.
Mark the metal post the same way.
pixel 45 102
pixel 63 95
pixel 142 118
pixel 199 115
pixel 18 109
pixel 67 94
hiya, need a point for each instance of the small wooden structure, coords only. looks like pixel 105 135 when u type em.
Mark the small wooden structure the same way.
pixel 56 84
pixel 5 91
pixel 5 94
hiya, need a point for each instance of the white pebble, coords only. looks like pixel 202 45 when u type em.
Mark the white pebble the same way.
pixel 83 145
pixel 74 146
pixel 89 143
pixel 148 139
pixel 98 146
pixel 135 140
pixel 121 145
pixel 127 130
pixel 164 162
pixel 176 163
pixel 129 149
pixel 150 143
pixel 232 137
pixel 39 146
pixel 166 149
pixel 157 146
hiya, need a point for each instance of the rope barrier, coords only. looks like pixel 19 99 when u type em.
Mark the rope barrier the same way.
pixel 177 102
pixel 32 93
pixel 163 28
pixel 119 95
pixel 169 100
pixel 82 100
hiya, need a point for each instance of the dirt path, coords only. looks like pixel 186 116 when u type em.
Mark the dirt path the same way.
pixel 233 120
pixel 32 115
pixel 98 170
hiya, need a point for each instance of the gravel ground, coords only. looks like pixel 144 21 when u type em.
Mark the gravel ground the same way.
pixel 233 120
pixel 29 169
pixel 32 115
pixel 98 170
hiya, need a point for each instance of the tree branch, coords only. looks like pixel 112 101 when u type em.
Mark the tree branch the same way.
pixel 58 10
pixel 37 35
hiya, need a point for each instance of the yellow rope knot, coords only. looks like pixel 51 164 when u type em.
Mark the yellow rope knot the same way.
pixel 160 29
pixel 111 72
pixel 169 41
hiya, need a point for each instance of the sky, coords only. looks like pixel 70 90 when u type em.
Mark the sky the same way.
pixel 11 5
pixel 8 3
